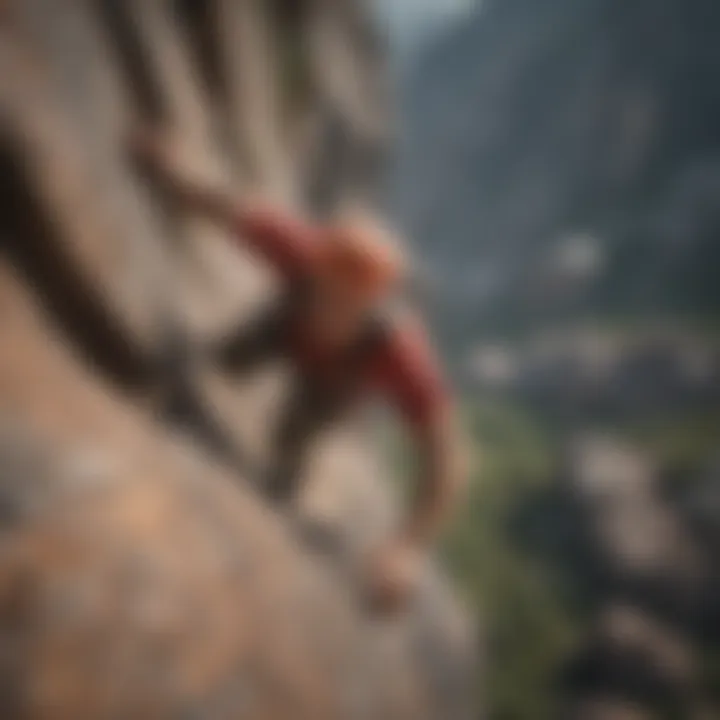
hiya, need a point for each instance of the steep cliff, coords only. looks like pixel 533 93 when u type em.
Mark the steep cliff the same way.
pixel 141 576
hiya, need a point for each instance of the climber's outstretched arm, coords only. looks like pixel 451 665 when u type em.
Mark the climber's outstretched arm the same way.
pixel 157 159
pixel 284 240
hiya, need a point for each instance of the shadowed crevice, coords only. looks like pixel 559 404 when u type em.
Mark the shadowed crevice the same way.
pixel 31 245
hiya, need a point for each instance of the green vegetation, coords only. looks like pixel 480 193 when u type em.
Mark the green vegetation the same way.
pixel 526 597
pixel 516 548
pixel 527 626
pixel 681 446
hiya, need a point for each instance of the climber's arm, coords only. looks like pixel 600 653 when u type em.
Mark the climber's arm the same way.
pixel 281 239
pixel 414 386
pixel 423 399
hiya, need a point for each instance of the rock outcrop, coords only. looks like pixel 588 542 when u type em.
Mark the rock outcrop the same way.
pixel 652 591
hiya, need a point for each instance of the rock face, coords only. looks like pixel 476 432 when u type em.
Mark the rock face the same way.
pixel 141 576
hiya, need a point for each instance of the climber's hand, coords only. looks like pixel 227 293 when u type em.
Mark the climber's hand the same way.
pixel 393 574
pixel 146 147
pixel 156 157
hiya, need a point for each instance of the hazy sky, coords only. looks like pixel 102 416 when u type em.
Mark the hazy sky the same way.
pixel 410 22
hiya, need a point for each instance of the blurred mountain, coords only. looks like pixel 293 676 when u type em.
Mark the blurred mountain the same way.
pixel 559 170
pixel 538 127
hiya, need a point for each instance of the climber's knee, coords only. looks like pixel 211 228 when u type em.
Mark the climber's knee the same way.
pixel 285 478
pixel 293 439
pixel 257 342
pixel 283 485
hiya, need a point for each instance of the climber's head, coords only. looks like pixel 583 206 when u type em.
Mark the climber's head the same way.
pixel 358 263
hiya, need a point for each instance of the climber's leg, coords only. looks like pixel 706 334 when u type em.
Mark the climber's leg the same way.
pixel 185 405
pixel 301 422
pixel 257 342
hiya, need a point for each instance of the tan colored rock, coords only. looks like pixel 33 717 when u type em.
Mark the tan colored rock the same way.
pixel 140 578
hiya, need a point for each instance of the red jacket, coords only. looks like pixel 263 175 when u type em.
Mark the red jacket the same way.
pixel 403 370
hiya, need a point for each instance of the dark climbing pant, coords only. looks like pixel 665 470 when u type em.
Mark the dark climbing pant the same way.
pixel 308 410
pixel 314 403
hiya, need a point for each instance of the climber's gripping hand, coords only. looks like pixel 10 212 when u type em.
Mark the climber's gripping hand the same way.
pixel 393 573
pixel 153 155
pixel 156 156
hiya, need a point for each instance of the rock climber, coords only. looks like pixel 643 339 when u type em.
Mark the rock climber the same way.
pixel 331 322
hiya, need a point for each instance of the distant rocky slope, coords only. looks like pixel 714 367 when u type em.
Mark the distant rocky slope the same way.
pixel 140 576
pixel 535 124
